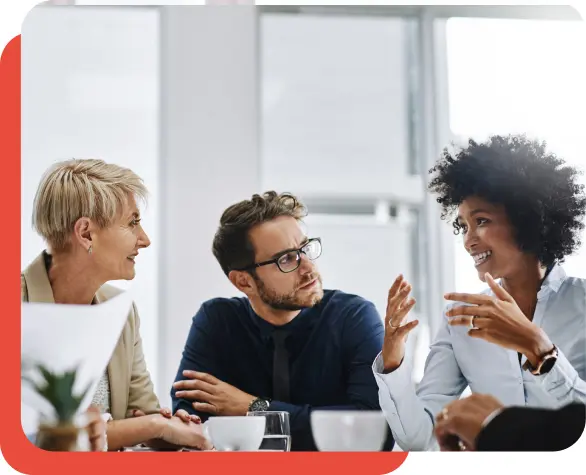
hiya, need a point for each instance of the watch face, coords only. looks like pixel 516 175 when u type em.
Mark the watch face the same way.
pixel 259 405
pixel 547 365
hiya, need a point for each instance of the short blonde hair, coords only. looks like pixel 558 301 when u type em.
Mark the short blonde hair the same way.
pixel 78 188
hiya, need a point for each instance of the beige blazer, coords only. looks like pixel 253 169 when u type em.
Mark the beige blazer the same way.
pixel 130 382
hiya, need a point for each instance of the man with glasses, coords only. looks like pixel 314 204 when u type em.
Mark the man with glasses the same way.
pixel 288 345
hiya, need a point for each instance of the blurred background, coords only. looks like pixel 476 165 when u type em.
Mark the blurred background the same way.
pixel 347 107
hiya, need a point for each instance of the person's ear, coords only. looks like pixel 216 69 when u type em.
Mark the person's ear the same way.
pixel 82 233
pixel 243 281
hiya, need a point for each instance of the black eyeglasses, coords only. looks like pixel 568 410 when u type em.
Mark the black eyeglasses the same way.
pixel 288 261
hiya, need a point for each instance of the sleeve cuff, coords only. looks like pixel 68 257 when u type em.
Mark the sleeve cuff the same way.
pixel 560 380
pixel 491 416
pixel 401 375
pixel 278 406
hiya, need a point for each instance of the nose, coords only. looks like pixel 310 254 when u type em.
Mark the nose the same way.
pixel 470 240
pixel 143 239
pixel 306 266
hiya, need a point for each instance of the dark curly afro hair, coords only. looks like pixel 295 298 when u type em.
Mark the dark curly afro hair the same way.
pixel 539 192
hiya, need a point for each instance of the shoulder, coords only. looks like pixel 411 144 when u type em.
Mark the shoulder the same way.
pixel 221 310
pixel 576 284
pixel 222 304
pixel 335 298
pixel 348 306
pixel 572 294
pixel 107 292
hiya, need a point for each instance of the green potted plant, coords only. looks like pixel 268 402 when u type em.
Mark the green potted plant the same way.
pixel 57 388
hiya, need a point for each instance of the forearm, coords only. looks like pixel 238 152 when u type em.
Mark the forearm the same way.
pixel 406 414
pixel 130 432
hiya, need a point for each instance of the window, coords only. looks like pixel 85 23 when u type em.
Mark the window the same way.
pixel 515 76
pixel 337 98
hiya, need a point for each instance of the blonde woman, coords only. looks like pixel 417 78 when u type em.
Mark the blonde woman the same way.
pixel 86 211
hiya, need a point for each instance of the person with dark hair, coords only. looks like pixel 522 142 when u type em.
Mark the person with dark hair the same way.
pixel 522 340
pixel 481 423
pixel 288 345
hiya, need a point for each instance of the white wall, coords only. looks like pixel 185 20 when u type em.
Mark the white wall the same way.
pixel 518 76
pixel 335 97
pixel 90 90
pixel 92 85
pixel 209 157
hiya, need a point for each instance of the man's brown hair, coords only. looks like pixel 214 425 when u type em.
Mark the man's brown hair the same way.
pixel 232 246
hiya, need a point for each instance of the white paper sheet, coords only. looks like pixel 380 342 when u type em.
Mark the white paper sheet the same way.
pixel 63 337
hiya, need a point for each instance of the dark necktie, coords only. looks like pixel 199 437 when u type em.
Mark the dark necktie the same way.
pixel 280 366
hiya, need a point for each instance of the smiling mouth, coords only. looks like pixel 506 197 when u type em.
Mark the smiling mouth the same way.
pixel 481 258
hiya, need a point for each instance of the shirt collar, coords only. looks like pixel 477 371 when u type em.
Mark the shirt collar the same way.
pixel 266 329
pixel 38 285
pixel 553 281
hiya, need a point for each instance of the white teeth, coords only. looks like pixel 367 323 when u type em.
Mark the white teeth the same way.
pixel 478 258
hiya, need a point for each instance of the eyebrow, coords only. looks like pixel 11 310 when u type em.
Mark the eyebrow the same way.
pixel 135 214
pixel 474 211
pixel 280 253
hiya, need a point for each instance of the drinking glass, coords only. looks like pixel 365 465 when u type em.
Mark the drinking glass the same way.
pixel 277 431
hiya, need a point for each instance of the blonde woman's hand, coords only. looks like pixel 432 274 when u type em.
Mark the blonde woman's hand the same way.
pixel 96 429
pixel 183 434
pixel 167 413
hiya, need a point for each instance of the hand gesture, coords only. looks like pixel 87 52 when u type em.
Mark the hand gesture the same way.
pixel 499 320
pixel 396 331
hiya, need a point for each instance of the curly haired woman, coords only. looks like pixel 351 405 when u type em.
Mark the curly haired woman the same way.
pixel 519 208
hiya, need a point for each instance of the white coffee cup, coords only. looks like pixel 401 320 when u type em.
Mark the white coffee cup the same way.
pixel 349 431
pixel 235 433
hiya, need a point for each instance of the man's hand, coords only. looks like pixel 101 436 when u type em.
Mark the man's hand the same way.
pixel 462 420
pixel 212 395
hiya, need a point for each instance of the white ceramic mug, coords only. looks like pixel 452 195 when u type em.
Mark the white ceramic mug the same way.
pixel 235 433
pixel 349 431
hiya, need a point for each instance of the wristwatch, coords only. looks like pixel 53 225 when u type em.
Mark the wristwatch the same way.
pixel 546 362
pixel 259 404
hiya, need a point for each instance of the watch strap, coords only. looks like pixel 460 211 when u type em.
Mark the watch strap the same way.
pixel 542 367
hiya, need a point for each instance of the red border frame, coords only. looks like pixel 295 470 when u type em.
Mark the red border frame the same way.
pixel 17 450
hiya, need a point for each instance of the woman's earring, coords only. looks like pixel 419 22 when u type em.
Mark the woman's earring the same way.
pixel 89 251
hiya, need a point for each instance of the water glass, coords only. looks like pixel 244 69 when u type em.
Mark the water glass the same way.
pixel 277 436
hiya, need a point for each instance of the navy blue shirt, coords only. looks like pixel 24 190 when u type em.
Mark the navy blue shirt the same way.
pixel 331 350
